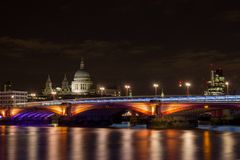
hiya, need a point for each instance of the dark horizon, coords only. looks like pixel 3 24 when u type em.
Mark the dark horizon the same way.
pixel 121 41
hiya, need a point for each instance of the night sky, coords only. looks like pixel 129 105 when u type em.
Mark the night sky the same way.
pixel 122 41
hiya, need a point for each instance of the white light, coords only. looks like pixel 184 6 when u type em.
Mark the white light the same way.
pixel 127 86
pixel 102 88
pixel 188 84
pixel 155 85
pixel 54 93
pixel 226 83
pixel 33 94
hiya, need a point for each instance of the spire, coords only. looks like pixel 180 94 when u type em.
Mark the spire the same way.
pixel 65 77
pixel 49 79
pixel 48 86
pixel 162 94
pixel 82 64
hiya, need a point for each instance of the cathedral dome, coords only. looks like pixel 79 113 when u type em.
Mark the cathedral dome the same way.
pixel 81 83
pixel 81 74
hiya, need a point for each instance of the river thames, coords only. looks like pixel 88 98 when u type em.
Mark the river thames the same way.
pixel 63 143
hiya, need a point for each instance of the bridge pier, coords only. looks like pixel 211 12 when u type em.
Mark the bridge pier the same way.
pixel 159 110
pixel 68 110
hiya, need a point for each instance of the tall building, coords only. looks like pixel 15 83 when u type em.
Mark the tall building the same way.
pixel 48 87
pixel 81 83
pixel 216 85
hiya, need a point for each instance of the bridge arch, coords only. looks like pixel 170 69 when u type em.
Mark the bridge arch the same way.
pixel 35 114
pixel 142 108
pixel 196 108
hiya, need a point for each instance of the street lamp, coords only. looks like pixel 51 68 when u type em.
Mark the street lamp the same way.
pixel 13 100
pixel 188 85
pixel 102 89
pixel 54 94
pixel 127 87
pixel 227 85
pixel 155 85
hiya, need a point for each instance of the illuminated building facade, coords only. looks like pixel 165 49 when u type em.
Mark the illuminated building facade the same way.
pixel 80 85
pixel 12 98
pixel 216 85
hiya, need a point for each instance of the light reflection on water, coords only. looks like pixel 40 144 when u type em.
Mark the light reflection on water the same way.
pixel 61 143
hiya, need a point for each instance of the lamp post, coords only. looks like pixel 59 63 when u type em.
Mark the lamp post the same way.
pixel 13 100
pixel 54 94
pixel 102 89
pixel 127 87
pixel 155 86
pixel 227 87
pixel 188 85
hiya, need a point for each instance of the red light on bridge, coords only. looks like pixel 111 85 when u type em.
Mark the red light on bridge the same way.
pixel 180 83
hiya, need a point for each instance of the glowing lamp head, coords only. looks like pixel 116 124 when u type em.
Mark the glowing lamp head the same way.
pixel 187 84
pixel 226 83
pixel 155 85
pixel 54 93
pixel 33 94
pixel 102 88
pixel 127 86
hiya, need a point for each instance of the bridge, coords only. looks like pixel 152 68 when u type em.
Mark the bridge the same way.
pixel 105 106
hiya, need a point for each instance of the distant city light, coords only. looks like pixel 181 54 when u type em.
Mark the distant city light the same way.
pixel 180 83
pixel 33 94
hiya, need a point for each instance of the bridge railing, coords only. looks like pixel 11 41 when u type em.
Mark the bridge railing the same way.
pixel 182 99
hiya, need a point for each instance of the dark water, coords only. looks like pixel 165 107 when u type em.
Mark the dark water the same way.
pixel 62 143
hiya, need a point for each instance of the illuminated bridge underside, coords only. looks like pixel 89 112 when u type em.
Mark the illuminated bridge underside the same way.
pixel 33 115
pixel 195 108
pixel 143 108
